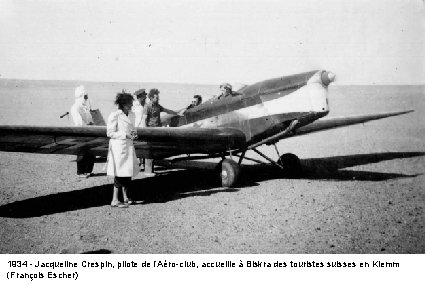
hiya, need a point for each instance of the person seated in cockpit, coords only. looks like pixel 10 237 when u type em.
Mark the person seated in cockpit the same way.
pixel 226 90
pixel 197 100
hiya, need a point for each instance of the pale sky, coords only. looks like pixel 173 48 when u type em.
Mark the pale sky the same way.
pixel 363 42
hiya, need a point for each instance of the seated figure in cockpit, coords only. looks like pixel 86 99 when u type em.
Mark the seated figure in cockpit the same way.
pixel 226 90
pixel 197 100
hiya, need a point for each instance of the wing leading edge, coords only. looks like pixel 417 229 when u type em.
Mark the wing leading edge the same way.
pixel 336 122
pixel 153 142
pixel 162 142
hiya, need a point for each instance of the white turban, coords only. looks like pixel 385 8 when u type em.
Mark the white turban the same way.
pixel 80 91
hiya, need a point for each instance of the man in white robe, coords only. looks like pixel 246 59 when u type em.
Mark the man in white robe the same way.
pixel 80 113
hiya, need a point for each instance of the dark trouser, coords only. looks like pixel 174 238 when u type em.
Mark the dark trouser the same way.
pixel 149 166
pixel 85 162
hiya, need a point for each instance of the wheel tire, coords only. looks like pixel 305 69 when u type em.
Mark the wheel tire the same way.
pixel 291 164
pixel 229 173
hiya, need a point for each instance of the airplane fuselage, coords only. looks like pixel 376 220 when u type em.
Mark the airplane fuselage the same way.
pixel 266 108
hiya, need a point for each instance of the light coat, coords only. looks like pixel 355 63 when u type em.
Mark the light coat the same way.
pixel 122 161
pixel 138 110
pixel 80 113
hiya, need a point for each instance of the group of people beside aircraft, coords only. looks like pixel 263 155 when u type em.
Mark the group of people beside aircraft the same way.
pixel 122 162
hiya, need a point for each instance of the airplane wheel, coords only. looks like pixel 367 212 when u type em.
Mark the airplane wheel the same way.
pixel 291 164
pixel 229 173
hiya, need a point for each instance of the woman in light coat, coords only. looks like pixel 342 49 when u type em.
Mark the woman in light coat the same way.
pixel 122 163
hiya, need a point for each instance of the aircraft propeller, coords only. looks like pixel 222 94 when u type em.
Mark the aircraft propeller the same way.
pixel 327 77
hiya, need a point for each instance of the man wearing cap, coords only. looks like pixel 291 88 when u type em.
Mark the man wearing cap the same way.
pixel 138 106
pixel 80 113
pixel 226 90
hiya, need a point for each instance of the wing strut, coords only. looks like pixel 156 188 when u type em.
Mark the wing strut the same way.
pixel 278 153
pixel 276 137
pixel 267 158
pixel 241 157
pixel 250 159
pixel 270 140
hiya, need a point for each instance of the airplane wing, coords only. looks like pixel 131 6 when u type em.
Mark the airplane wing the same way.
pixel 155 142
pixel 162 142
pixel 336 122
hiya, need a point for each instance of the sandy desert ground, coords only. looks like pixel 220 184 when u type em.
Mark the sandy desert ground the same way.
pixel 362 191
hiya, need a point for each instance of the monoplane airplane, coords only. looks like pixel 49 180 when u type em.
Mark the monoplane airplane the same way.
pixel 258 114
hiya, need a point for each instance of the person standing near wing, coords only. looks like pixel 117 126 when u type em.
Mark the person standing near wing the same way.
pixel 151 118
pixel 80 113
pixel 152 110
pixel 138 110
pixel 138 106
pixel 122 163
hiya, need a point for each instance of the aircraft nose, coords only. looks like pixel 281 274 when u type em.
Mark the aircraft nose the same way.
pixel 327 77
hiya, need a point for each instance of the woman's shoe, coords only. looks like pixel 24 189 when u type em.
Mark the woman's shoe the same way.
pixel 129 202
pixel 119 205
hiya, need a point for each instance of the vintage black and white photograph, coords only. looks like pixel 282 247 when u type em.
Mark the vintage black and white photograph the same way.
pixel 212 127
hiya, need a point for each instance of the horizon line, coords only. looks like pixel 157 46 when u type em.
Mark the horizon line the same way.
pixel 189 83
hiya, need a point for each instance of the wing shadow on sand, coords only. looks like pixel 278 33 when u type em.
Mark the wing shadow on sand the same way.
pixel 177 184
pixel 334 168
pixel 162 188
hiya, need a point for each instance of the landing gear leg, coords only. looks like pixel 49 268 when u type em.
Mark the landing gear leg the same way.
pixel 241 157
pixel 289 163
